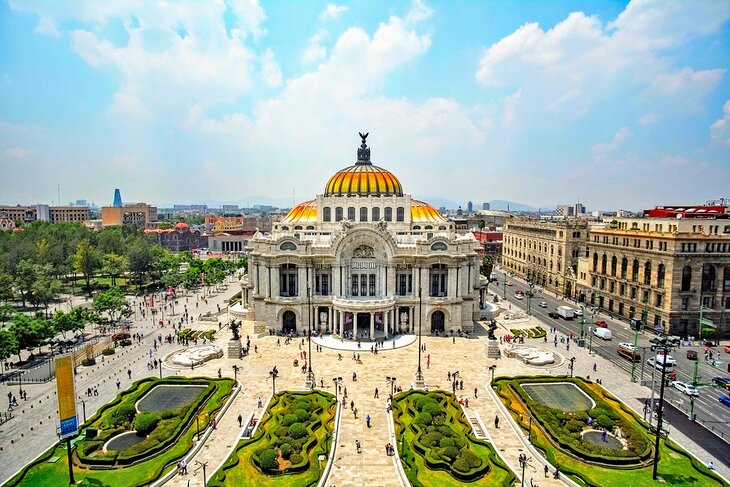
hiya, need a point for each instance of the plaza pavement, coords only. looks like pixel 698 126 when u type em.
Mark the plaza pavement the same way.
pixel 372 466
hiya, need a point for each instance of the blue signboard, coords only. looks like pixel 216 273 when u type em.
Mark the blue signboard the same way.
pixel 69 426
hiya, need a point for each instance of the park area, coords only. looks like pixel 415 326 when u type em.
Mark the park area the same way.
pixel 593 437
pixel 285 449
pixel 135 439
pixel 437 447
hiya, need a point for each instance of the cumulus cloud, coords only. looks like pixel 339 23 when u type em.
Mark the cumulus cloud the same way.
pixel 270 69
pixel 720 130
pixel 623 134
pixel 315 51
pixel 332 12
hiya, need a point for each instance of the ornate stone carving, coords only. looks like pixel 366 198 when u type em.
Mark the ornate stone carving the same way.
pixel 403 318
pixel 346 225
pixel 382 225
pixel 363 252
pixel 363 152
pixel 323 318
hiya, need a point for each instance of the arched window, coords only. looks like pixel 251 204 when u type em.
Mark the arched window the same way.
pixel 647 273
pixel 614 262
pixel 439 246
pixel 624 267
pixel 660 272
pixel 288 246
pixel 400 214
pixel 388 214
pixel 338 214
pixel 635 270
pixel 363 214
pixel 686 278
pixel 595 262
pixel 351 214
pixel 708 278
pixel 327 214
pixel 604 261
pixel 376 214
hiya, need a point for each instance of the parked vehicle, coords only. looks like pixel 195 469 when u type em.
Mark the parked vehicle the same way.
pixel 603 333
pixel 692 354
pixel 725 400
pixel 686 388
pixel 601 323
pixel 628 354
pixel 565 312
pixel 542 304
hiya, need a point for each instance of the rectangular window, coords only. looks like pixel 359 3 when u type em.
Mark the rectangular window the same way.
pixel 388 214
pixel 363 285
pixel 400 214
pixel 355 287
pixel 623 289
pixel 685 304
pixel 633 293
pixel 351 214
pixel 372 285
pixel 659 300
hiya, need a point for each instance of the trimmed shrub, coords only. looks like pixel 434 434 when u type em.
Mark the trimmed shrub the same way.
pixel 303 405
pixel 461 465
pixel 88 361
pixel 107 351
pixel 574 426
pixel 471 459
pixel 604 422
pixel 269 460
pixel 297 430
pixel 451 452
pixel 281 431
pixel 289 419
pixel 431 439
pixel 124 413
pixel 145 423
pixel 446 442
pixel 424 418
pixel 296 459
pixel 302 415
pixel 286 450
pixel 432 408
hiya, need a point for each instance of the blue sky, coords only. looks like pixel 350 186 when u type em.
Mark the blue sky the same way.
pixel 615 104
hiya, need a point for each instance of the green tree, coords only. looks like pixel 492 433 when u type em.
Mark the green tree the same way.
pixel 86 261
pixel 8 343
pixel 26 334
pixel 165 226
pixel 191 278
pixel 114 265
pixel 171 278
pixel 25 275
pixel 6 312
pixel 113 303
pixel 6 286
pixel 487 265
pixel 45 290
pixel 141 259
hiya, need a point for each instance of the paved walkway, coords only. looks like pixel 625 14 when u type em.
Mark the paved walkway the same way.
pixel 335 343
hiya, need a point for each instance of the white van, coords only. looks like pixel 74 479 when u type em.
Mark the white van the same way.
pixel 603 333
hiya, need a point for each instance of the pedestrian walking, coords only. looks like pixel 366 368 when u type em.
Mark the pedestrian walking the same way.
pixel 376 393
pixel 358 446
pixel 496 421
pixel 129 373
pixel 475 393
pixel 119 383
pixel 240 421
pixel 594 367
pixel 367 420
pixel 547 470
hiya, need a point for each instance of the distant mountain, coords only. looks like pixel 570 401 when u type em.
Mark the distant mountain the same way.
pixel 513 206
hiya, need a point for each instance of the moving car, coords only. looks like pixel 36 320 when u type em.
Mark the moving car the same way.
pixel 578 312
pixel 725 400
pixel 627 346
pixel 603 333
pixel 628 354
pixel 686 388
pixel 509 283
pixel 727 349
pixel 542 304
pixel 722 382
pixel 518 296
pixel 553 315
pixel 657 364
pixel 692 354
pixel 601 324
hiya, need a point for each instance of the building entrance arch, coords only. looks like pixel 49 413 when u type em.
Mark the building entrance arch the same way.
pixel 438 322
pixel 289 322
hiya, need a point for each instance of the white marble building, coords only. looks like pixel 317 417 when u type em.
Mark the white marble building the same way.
pixel 363 260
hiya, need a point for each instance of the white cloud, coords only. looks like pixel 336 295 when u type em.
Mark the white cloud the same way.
pixel 270 69
pixel 623 134
pixel 418 13
pixel 47 26
pixel 581 61
pixel 315 51
pixel 720 130
pixel 332 12
pixel 648 119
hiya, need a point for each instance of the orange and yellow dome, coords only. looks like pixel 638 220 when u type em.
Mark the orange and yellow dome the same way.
pixel 363 180
pixel 302 213
pixel 424 213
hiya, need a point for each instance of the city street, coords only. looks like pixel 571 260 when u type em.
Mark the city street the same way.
pixel 713 415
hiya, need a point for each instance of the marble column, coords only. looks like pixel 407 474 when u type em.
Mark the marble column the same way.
pixel 330 323
pixel 411 324
pixel 386 322
pixel 372 325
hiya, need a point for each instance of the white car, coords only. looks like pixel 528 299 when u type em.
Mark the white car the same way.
pixel 667 358
pixel 542 304
pixel 518 296
pixel 578 312
pixel 627 346
pixel 686 388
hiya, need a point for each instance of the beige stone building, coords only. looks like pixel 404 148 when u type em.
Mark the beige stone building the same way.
pixel 545 252
pixel 49 213
pixel 660 271
pixel 363 260
pixel 128 214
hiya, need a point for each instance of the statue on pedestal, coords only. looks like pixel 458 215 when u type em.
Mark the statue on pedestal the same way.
pixel 234 330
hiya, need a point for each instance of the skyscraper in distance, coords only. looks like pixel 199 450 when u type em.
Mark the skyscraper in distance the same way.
pixel 117 198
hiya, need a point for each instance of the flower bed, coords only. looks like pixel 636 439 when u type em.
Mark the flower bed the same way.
pixel 437 445
pixel 558 435
pixel 169 436
pixel 293 433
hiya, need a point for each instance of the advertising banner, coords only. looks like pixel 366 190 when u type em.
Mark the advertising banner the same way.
pixel 66 395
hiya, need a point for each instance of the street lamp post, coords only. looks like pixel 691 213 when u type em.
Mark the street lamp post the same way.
pixel 492 368
pixel 454 375
pixel 83 408
pixel 572 363
pixel 582 322
pixel 337 381
pixel 235 373
pixel 524 464
pixel 665 346
pixel 273 373
pixel 419 372
pixel 160 369
pixel 391 381
pixel 310 374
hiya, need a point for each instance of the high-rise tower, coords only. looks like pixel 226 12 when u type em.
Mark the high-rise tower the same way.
pixel 117 198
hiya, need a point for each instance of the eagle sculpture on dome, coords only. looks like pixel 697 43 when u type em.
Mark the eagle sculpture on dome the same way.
pixel 363 137
pixel 363 152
